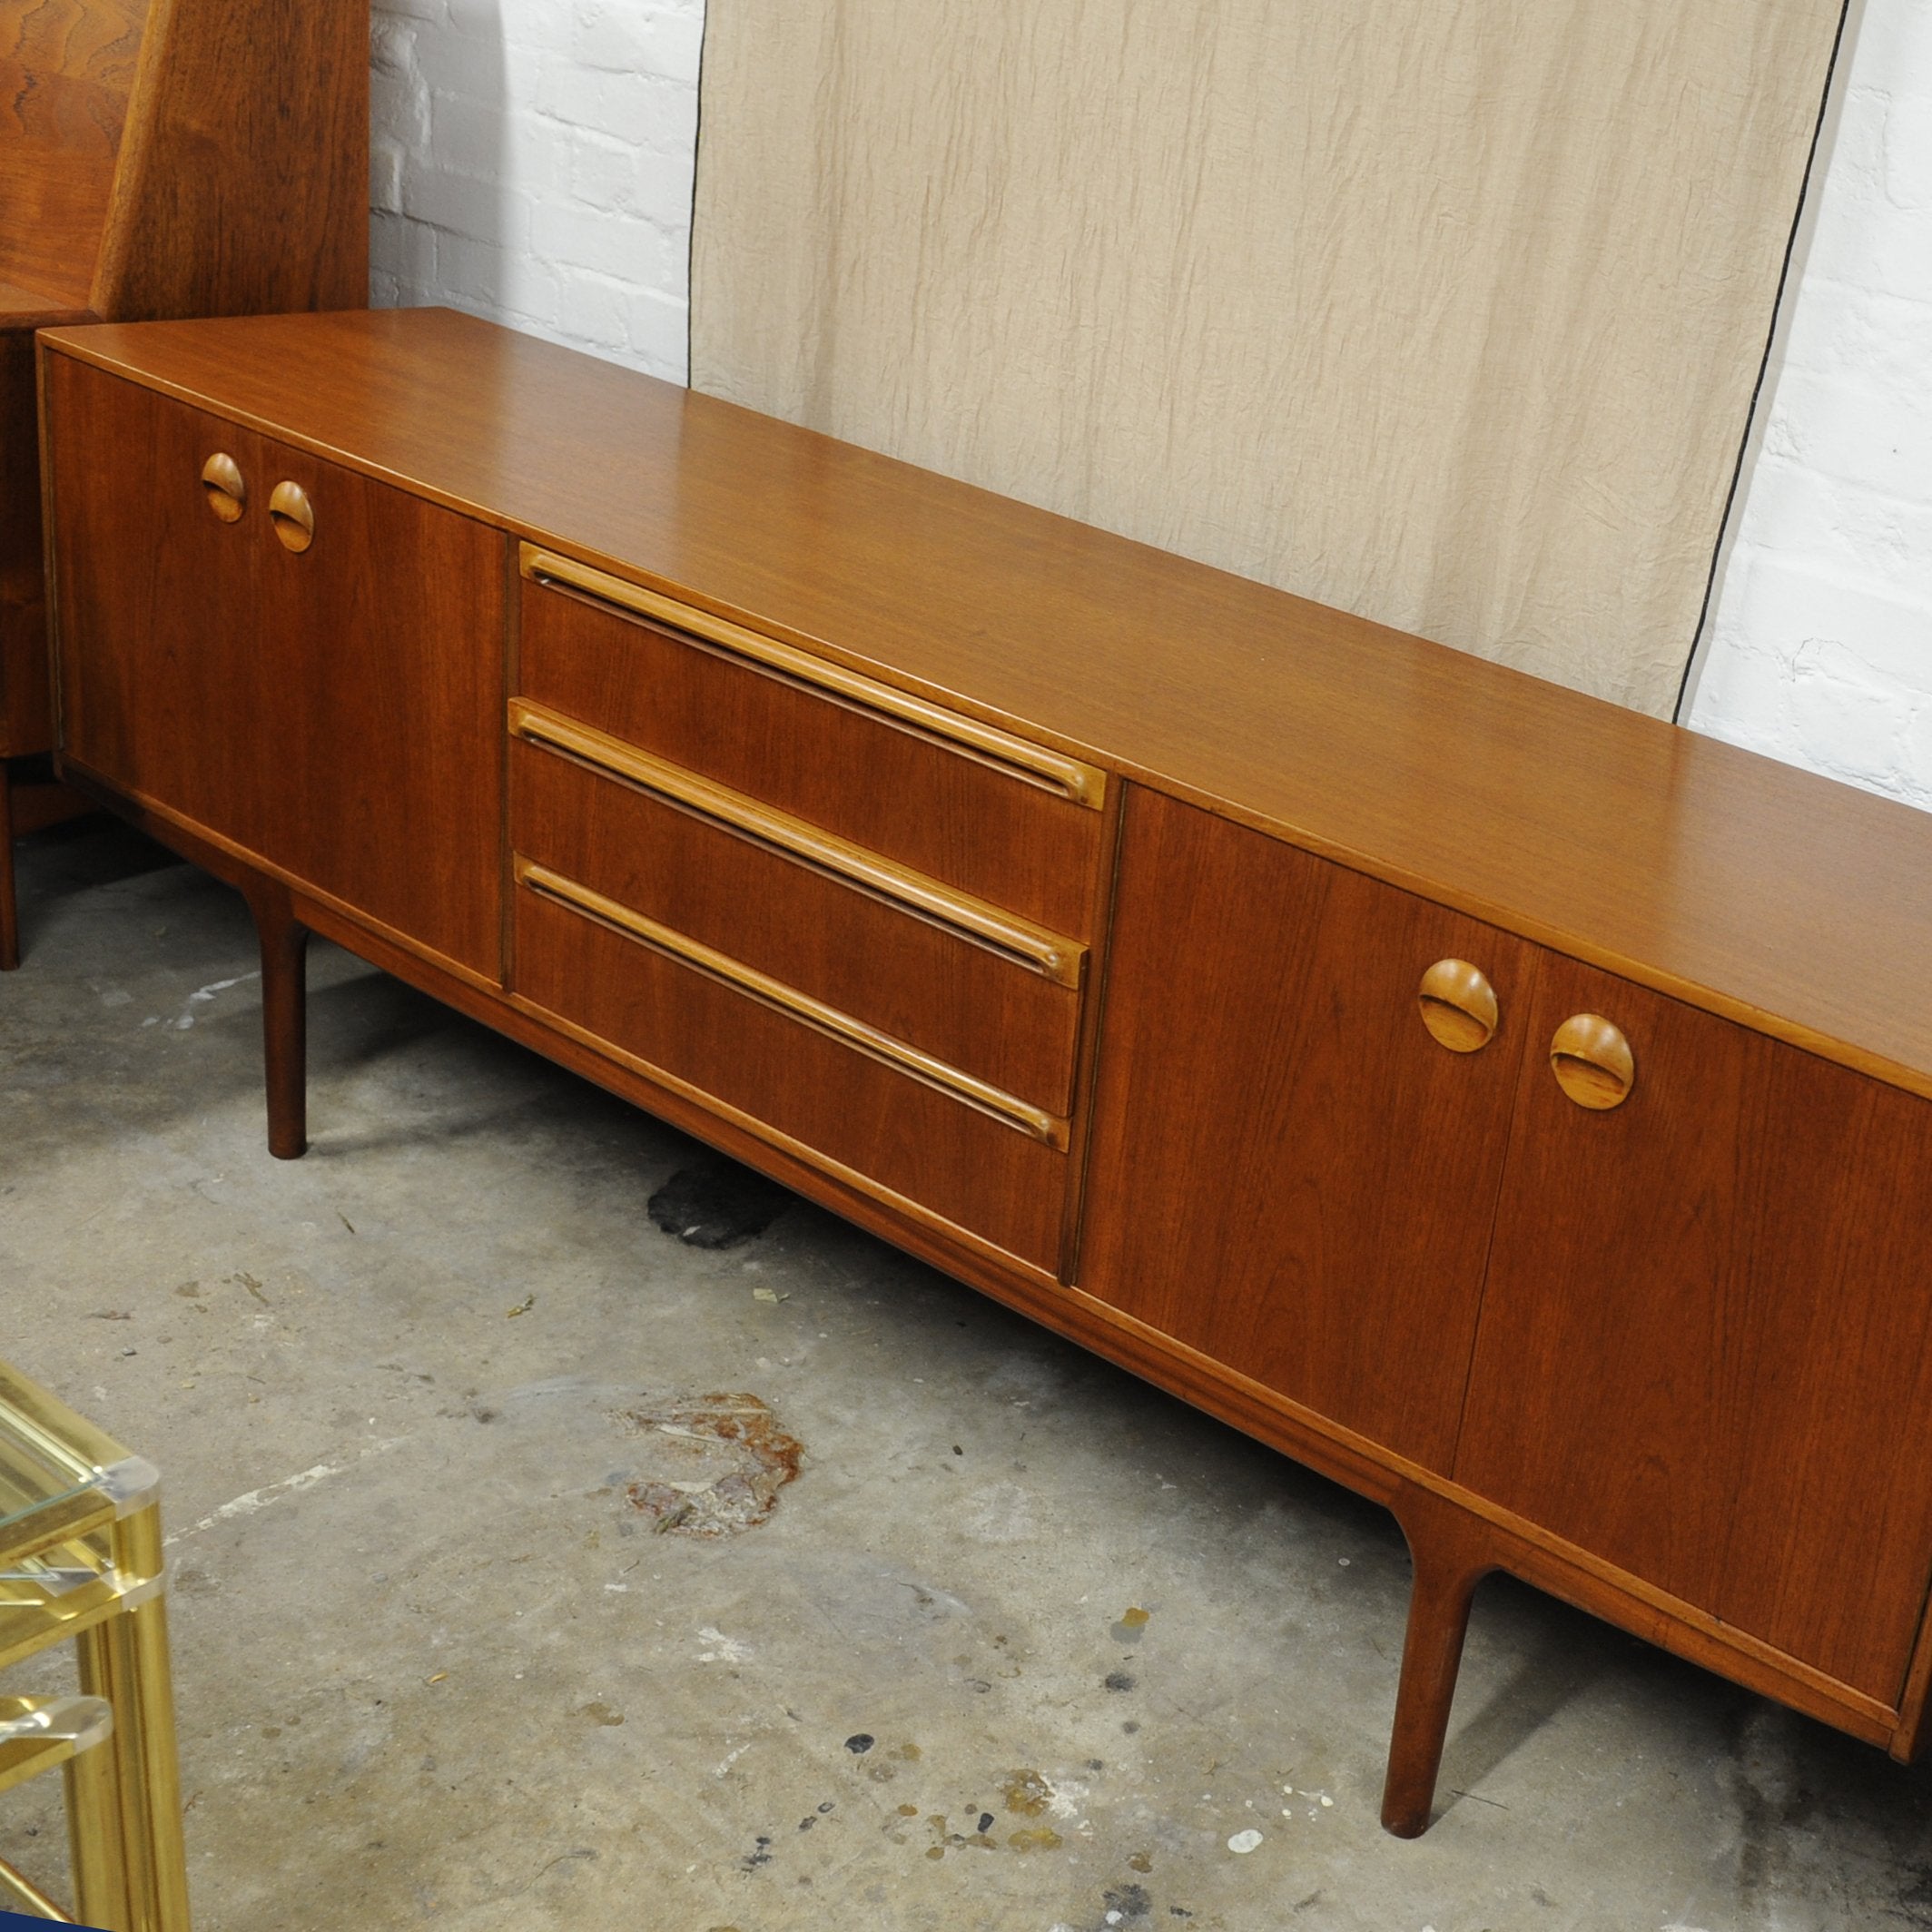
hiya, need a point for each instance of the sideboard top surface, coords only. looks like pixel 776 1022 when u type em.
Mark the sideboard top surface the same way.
pixel 1751 888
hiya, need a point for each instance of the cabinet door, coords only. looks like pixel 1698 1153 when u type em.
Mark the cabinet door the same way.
pixel 1706 1346
pixel 335 712
pixel 1288 1172
pixel 163 681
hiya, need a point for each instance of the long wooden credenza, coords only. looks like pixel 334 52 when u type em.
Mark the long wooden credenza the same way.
pixel 1516 1109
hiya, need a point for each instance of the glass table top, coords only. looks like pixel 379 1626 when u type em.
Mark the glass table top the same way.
pixel 49 1457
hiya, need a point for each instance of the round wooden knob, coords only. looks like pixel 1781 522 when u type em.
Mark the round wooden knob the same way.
pixel 1459 1006
pixel 223 484
pixel 1592 1062
pixel 293 516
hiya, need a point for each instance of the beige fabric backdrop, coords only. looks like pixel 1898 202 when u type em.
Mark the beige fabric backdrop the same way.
pixel 1446 311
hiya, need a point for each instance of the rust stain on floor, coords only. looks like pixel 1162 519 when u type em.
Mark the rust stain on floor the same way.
pixel 713 1465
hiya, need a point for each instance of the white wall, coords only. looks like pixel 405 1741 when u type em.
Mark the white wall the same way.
pixel 533 162
pixel 1820 642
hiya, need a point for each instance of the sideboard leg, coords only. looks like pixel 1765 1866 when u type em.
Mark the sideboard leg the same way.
pixel 9 905
pixel 284 1017
pixel 1447 1548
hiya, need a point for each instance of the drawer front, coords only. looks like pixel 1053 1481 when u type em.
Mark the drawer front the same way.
pixel 1008 822
pixel 832 1100
pixel 943 974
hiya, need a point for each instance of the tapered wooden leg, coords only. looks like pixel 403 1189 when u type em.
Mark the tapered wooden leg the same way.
pixel 1448 1547
pixel 9 905
pixel 284 1018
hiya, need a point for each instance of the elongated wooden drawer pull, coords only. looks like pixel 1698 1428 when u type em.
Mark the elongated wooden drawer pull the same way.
pixel 293 516
pixel 1050 954
pixel 226 491
pixel 1035 1122
pixel 1459 1006
pixel 1592 1062
pixel 1083 784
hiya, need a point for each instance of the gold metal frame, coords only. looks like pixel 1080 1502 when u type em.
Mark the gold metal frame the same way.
pixel 88 1567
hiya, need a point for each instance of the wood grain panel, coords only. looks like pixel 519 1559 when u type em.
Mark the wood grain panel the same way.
pixel 1692 865
pixel 908 1139
pixel 1705 1348
pixel 67 71
pixel 337 712
pixel 850 770
pixel 1289 1173
pixel 244 176
pixel 949 995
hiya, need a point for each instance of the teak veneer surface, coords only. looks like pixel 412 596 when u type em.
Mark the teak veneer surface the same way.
pixel 1706 1350
pixel 1283 1073
pixel 1694 867
pixel 912 978
pixel 905 797
pixel 238 723
pixel 925 1146
pixel 67 68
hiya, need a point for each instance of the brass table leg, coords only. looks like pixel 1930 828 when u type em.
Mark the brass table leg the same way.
pixel 126 1660
pixel 94 1831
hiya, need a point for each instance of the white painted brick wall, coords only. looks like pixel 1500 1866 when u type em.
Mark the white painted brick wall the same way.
pixel 533 162
pixel 1820 647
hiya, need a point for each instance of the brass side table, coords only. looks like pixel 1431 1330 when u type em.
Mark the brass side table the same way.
pixel 81 1562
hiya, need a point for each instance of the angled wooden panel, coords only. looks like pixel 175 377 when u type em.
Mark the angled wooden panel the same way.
pixel 1706 1348
pixel 1288 1171
pixel 67 68
pixel 244 175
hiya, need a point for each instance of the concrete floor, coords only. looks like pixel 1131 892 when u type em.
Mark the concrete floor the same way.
pixel 450 1648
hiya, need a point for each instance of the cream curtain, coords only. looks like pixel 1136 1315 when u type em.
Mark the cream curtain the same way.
pixel 1447 313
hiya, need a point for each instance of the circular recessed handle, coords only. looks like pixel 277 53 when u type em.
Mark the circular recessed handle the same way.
pixel 223 484
pixel 1592 1062
pixel 293 516
pixel 1458 1006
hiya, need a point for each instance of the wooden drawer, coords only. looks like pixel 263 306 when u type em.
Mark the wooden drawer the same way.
pixel 950 975
pixel 1008 822
pixel 829 1101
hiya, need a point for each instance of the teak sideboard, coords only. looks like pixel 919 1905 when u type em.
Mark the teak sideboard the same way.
pixel 1516 1109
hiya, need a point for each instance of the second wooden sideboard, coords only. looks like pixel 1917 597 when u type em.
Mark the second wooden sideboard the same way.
pixel 1518 1109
